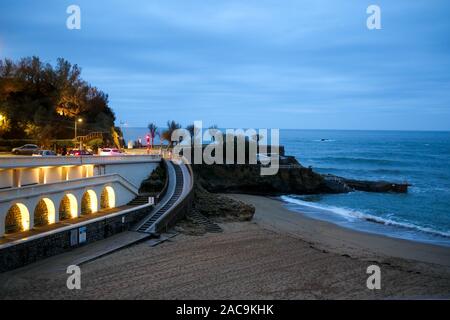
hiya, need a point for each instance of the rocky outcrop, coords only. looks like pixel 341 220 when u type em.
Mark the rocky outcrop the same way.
pixel 292 178
pixel 212 208
pixel 220 208
pixel 338 184
pixel 247 179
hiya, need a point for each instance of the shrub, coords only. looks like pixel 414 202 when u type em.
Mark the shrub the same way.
pixel 155 182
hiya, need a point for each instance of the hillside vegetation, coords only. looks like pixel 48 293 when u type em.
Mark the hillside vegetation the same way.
pixel 41 102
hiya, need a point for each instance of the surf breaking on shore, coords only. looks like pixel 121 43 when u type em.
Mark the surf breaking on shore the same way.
pixel 366 222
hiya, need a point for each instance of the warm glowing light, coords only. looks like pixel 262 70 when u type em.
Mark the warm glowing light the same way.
pixel 93 201
pixel 24 216
pixel 51 211
pixel 73 205
pixel 80 120
pixel 88 171
pixel 111 196
pixel 2 117
pixel 65 172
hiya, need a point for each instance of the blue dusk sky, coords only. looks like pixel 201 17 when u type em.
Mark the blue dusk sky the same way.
pixel 256 63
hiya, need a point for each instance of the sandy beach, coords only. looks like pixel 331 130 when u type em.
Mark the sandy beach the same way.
pixel 273 215
pixel 278 255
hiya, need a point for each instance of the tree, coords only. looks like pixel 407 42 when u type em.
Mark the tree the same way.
pixel 153 131
pixel 37 97
pixel 167 134
pixel 193 131
pixel 213 128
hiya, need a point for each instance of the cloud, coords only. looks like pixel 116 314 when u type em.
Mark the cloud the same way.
pixel 255 63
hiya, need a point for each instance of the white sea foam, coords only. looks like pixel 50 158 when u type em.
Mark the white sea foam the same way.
pixel 353 215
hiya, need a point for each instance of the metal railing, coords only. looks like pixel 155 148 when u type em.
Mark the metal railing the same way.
pixel 163 191
pixel 30 162
pixel 90 136
pixel 181 208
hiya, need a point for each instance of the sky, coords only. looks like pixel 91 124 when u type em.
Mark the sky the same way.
pixel 296 64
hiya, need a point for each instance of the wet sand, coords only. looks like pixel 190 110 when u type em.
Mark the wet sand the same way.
pixel 278 255
pixel 272 214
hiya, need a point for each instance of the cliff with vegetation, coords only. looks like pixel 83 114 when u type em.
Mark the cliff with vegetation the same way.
pixel 41 102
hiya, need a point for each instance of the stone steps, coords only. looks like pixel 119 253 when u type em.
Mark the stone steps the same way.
pixel 139 200
pixel 200 219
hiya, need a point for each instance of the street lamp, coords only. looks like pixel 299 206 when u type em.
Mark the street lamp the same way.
pixel 76 122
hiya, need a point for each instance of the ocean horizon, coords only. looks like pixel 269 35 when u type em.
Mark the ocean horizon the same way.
pixel 420 158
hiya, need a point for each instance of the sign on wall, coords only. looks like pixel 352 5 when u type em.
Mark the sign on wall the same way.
pixel 82 235
pixel 74 237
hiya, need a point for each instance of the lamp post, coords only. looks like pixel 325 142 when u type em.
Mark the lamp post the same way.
pixel 76 122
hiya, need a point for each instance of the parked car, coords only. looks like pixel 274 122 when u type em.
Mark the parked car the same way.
pixel 110 152
pixel 263 158
pixel 44 153
pixel 78 152
pixel 27 149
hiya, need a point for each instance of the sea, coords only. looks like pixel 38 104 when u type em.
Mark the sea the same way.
pixel 419 158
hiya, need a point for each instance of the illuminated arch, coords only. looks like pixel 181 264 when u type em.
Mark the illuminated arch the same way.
pixel 68 207
pixel 108 198
pixel 17 219
pixel 89 202
pixel 44 213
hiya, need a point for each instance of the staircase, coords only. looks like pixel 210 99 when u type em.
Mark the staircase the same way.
pixel 200 219
pixel 140 200
pixel 176 195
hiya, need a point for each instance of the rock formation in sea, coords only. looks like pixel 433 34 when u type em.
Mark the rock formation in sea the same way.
pixel 292 178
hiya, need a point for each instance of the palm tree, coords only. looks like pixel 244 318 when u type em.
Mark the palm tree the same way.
pixel 191 128
pixel 257 137
pixel 213 128
pixel 194 131
pixel 167 134
pixel 153 130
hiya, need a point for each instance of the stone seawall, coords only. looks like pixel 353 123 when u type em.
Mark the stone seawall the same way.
pixel 24 253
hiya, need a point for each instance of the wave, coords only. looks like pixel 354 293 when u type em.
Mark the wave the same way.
pixel 351 215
